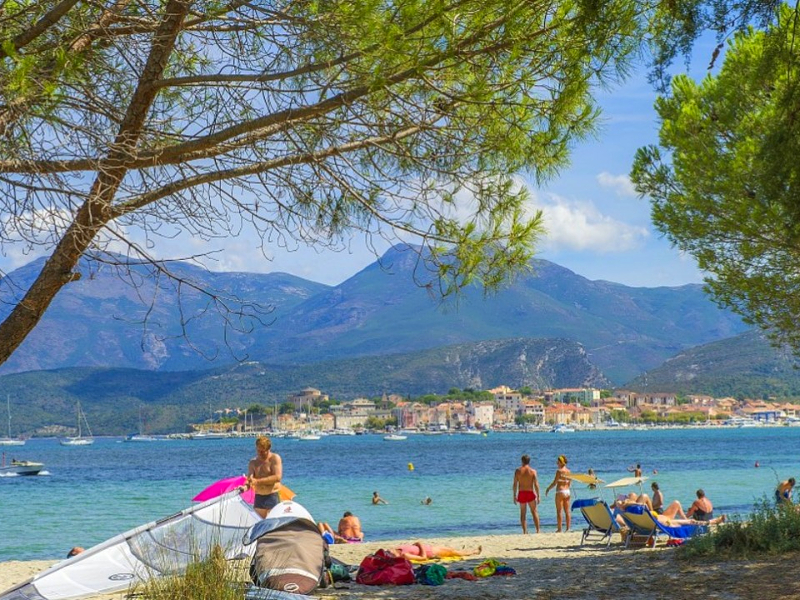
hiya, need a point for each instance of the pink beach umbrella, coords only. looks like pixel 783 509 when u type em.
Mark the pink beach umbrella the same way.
pixel 224 486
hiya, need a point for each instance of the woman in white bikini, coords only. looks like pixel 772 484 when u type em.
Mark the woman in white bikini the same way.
pixel 562 484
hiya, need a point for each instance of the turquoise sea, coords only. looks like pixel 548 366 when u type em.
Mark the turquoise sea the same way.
pixel 89 494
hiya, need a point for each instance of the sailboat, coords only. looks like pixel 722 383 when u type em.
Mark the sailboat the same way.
pixel 80 439
pixel 9 441
pixel 141 436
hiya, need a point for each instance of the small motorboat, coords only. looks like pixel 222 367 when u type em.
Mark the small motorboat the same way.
pixel 141 437
pixel 21 467
pixel 561 428
pixel 394 437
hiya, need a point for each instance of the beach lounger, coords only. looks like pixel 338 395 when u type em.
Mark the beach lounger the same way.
pixel 599 518
pixel 644 526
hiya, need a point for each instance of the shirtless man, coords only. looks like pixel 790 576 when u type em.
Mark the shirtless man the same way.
pixel 701 509
pixel 783 493
pixel 264 475
pixel 525 491
pixel 658 497
pixel 350 528
pixel 562 483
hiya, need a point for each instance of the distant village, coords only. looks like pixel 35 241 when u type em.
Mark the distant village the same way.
pixel 501 408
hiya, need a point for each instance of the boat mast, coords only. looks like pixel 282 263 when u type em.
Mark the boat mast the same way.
pixel 8 408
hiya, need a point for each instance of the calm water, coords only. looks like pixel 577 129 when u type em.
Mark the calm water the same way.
pixel 92 493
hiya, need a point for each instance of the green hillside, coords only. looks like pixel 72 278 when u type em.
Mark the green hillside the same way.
pixel 112 398
pixel 745 366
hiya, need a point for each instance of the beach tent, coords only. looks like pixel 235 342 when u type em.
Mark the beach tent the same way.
pixel 289 551
pixel 159 548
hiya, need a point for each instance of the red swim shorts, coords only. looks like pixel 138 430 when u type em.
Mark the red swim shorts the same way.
pixel 525 496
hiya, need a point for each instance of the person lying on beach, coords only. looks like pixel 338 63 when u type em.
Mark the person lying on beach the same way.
pixel 671 516
pixel 422 551
pixel 673 522
pixel 673 510
pixel 631 499
pixel 329 535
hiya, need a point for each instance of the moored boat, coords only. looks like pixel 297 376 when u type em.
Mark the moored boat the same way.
pixel 561 428
pixel 80 439
pixel 9 441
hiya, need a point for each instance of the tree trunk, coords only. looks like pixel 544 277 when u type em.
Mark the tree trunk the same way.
pixel 95 212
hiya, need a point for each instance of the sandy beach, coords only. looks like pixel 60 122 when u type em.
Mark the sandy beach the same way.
pixel 553 566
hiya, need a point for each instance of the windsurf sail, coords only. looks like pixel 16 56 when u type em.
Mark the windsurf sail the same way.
pixel 163 547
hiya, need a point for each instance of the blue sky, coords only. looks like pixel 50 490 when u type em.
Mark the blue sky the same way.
pixel 597 227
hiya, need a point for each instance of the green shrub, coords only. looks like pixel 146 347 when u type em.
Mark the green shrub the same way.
pixel 770 530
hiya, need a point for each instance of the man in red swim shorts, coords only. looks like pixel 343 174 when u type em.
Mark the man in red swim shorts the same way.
pixel 525 491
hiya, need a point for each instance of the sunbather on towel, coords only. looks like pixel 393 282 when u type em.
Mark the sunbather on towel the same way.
pixel 422 551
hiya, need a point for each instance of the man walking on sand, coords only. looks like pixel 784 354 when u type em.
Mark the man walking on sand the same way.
pixel 525 491
pixel 264 475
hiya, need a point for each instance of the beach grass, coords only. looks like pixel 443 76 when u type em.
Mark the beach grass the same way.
pixel 214 578
pixel 769 529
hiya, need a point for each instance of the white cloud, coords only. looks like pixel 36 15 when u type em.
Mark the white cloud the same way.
pixel 581 226
pixel 621 184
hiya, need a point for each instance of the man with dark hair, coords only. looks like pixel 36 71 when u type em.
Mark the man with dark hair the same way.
pixel 525 491
pixel 350 528
pixel 701 509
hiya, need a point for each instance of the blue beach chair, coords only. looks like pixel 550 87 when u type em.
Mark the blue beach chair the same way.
pixel 599 518
pixel 644 526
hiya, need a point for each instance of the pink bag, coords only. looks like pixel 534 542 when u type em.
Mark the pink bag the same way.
pixel 382 568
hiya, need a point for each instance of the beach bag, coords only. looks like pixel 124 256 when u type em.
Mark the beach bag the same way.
pixel 290 558
pixel 338 571
pixel 430 574
pixel 382 568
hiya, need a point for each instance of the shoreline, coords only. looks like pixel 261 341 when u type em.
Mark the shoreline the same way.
pixel 548 566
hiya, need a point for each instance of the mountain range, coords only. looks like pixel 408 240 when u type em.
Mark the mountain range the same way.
pixel 137 319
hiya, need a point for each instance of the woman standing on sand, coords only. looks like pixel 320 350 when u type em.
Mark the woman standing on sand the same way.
pixel 562 483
